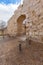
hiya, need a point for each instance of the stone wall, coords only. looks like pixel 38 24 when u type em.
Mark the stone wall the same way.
pixel 33 9
pixel 35 19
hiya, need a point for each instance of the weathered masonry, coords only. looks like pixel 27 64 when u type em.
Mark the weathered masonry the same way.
pixel 31 11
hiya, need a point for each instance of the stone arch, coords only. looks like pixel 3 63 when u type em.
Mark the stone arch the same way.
pixel 20 25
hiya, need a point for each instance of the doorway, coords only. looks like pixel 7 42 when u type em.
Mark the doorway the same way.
pixel 20 25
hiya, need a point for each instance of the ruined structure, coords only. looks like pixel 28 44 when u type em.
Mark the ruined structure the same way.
pixel 30 12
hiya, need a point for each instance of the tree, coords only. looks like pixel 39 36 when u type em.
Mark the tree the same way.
pixel 2 27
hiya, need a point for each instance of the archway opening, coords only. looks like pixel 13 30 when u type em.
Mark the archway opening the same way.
pixel 20 25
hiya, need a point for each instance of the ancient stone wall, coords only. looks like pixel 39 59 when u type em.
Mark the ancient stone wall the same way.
pixel 35 19
pixel 33 10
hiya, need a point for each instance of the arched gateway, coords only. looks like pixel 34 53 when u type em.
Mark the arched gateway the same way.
pixel 20 25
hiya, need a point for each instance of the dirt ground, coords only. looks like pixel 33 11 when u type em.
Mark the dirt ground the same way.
pixel 29 55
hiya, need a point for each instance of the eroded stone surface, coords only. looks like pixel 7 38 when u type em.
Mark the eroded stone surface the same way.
pixel 33 10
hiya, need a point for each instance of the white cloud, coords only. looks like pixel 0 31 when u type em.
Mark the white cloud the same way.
pixel 6 11
pixel 21 1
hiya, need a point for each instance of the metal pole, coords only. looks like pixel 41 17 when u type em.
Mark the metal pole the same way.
pixel 20 48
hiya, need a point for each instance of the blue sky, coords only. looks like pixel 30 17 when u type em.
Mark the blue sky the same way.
pixel 7 8
pixel 9 1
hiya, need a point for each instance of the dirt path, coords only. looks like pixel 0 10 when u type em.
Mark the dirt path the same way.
pixel 30 55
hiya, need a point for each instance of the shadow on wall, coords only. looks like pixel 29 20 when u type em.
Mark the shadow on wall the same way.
pixel 20 25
